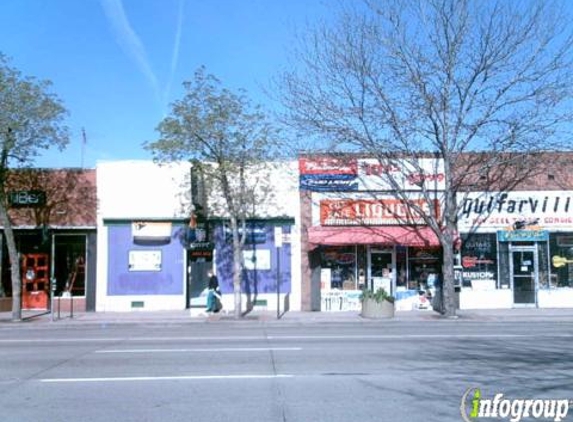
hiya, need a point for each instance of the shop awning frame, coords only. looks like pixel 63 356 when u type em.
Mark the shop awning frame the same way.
pixel 417 236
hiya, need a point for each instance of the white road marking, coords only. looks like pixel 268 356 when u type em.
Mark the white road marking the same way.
pixel 114 339
pixel 213 350
pixel 407 336
pixel 173 378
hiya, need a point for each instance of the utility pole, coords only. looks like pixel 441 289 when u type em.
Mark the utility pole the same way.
pixel 278 244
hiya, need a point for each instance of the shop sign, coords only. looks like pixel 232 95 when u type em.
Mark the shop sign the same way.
pixel 144 260
pixel 199 245
pixel 565 241
pixel 196 254
pixel 375 176
pixel 27 198
pixel 328 165
pixel 339 256
pixel 328 182
pixel 341 300
pixel 332 174
pixel 353 212
pixel 504 209
pixel 254 235
pixel 145 231
pixel 523 235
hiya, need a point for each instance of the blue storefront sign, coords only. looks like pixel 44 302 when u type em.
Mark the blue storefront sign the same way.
pixel 329 182
pixel 523 236
pixel 255 234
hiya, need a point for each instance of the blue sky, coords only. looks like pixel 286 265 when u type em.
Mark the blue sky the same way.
pixel 117 64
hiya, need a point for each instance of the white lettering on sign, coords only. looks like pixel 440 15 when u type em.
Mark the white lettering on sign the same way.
pixel 27 197
pixel 374 212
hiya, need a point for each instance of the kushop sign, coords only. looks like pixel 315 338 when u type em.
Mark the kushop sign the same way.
pixel 500 210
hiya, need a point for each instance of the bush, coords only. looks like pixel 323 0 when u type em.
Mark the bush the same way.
pixel 379 295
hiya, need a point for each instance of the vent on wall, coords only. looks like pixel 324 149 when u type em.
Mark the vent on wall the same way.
pixel 137 304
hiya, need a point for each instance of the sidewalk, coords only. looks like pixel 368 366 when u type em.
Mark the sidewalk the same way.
pixel 33 319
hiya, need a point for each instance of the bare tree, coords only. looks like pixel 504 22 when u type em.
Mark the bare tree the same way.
pixel 31 120
pixel 232 142
pixel 481 85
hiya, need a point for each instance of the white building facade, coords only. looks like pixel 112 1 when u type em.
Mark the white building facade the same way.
pixel 517 249
pixel 152 255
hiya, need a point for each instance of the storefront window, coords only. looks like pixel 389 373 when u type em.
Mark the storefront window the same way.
pixel 401 267
pixel 338 268
pixel 69 264
pixel 561 252
pixel 341 278
pixel 544 274
pixel 479 261
pixel 425 268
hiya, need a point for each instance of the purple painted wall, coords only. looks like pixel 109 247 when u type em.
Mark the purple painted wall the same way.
pixel 254 281
pixel 169 281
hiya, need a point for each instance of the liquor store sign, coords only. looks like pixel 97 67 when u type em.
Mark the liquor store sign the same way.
pixel 368 212
pixel 27 198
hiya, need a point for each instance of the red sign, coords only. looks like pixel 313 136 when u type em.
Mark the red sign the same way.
pixel 352 212
pixel 473 261
pixel 328 165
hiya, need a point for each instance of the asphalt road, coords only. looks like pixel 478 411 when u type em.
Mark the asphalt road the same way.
pixel 228 371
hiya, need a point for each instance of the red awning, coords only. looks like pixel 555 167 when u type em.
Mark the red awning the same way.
pixel 379 235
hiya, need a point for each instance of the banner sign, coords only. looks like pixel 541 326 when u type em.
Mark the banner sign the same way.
pixel 328 182
pixel 254 234
pixel 144 260
pixel 327 165
pixel 151 231
pixel 335 174
pixel 523 235
pixel 499 210
pixel 375 176
pixel 353 212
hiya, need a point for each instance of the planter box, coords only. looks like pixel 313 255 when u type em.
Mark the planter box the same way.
pixel 373 309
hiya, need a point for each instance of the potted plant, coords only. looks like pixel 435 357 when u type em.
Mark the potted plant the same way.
pixel 378 304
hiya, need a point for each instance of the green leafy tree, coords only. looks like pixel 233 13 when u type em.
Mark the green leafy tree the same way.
pixel 31 120
pixel 482 86
pixel 232 143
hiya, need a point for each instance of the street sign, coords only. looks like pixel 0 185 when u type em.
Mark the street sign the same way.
pixel 278 236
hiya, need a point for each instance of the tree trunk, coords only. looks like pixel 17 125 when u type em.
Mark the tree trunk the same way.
pixel 2 290
pixel 237 267
pixel 14 263
pixel 448 285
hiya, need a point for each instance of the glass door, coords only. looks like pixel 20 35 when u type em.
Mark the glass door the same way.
pixel 524 276
pixel 381 265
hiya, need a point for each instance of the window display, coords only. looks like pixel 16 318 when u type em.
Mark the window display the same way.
pixel 425 268
pixel 338 279
pixel 341 261
pixel 479 261
pixel 561 252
